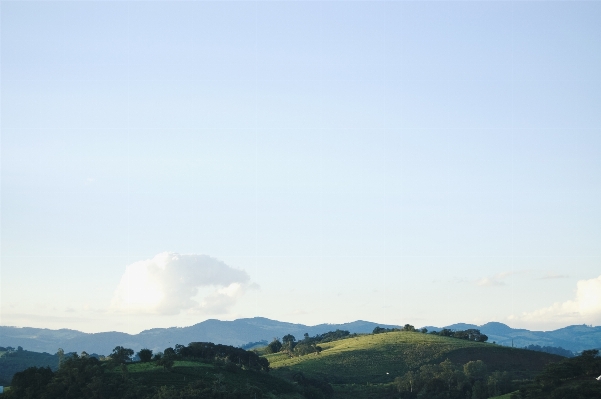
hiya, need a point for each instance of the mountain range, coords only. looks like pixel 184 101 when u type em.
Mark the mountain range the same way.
pixel 243 331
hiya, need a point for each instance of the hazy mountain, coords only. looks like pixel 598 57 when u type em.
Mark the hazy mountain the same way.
pixel 242 331
pixel 237 333
pixel 575 338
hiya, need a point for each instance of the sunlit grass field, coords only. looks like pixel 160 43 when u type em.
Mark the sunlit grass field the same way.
pixel 382 357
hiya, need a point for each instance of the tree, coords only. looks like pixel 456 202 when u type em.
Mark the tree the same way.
pixel 169 353
pixel 475 370
pixel 408 327
pixel 288 339
pixel 406 381
pixel 288 343
pixel 445 332
pixel 121 355
pixel 145 355
pixel 179 348
pixel 274 346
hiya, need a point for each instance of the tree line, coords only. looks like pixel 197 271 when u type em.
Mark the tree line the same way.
pixel 447 380
pixel 84 376
pixel 307 345
pixel 471 334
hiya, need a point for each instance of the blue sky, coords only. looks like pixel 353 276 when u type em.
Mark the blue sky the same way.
pixel 400 162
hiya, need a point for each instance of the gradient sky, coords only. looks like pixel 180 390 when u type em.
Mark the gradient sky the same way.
pixel 400 162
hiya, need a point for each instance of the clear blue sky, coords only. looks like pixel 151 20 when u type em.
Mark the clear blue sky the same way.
pixel 399 162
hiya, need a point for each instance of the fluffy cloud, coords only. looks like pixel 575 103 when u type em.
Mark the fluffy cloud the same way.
pixel 584 308
pixel 169 283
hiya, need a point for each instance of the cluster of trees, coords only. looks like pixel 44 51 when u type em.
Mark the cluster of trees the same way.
pixel 10 349
pixel 471 334
pixel 77 377
pixel 574 378
pixel 450 381
pixel 292 347
pixel 231 355
pixel 206 351
pixel 555 350
pixel 307 345
pixel 84 376
pixel 406 327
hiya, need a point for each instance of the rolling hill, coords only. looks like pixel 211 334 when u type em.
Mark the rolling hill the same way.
pixel 381 358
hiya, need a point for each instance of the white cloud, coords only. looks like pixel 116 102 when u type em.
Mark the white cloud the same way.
pixel 169 283
pixel 495 280
pixel 584 308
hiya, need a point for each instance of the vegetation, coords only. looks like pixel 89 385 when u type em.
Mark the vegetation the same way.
pixel 145 355
pixel 403 364
pixel 290 346
pixel 471 334
pixel 198 370
pixel 376 366
pixel 447 380
pixel 15 360
pixel 382 357
pixel 573 378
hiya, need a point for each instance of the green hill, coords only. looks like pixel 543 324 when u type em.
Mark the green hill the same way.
pixel 377 366
pixel 382 357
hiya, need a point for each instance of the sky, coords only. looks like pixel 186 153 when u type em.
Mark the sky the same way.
pixel 164 163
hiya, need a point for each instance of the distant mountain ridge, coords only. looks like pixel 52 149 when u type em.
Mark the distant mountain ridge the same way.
pixel 242 331
pixel 237 332
pixel 575 338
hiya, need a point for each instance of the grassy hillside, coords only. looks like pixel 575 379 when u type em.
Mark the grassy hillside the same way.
pixel 381 358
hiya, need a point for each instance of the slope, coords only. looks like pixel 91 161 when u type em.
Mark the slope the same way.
pixel 381 358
